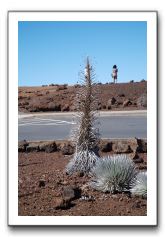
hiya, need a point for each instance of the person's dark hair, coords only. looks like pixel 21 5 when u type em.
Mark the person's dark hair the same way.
pixel 114 66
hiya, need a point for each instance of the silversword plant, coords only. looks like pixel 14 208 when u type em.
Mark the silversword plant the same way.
pixel 85 135
pixel 113 174
pixel 139 185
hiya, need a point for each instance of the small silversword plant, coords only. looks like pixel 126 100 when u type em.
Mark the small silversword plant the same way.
pixel 139 185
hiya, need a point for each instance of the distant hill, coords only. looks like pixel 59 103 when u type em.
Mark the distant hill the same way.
pixel 121 96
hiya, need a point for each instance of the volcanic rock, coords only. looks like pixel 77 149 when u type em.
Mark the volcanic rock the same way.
pixel 121 147
pixel 111 101
pixel 105 146
pixel 65 108
pixel 22 146
pixel 67 149
pixel 127 103
pixel 32 147
pixel 48 147
pixel 142 101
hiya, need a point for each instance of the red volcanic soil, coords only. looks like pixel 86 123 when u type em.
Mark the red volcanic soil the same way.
pixel 43 184
pixel 121 96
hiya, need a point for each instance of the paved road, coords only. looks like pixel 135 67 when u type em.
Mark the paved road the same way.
pixel 53 126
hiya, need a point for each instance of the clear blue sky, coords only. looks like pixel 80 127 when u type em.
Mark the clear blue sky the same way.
pixel 55 52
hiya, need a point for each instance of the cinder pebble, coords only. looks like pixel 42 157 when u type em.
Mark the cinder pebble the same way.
pixel 87 198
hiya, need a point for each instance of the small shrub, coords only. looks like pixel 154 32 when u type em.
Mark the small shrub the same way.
pixel 62 87
pixel 113 174
pixel 142 80
pixel 139 186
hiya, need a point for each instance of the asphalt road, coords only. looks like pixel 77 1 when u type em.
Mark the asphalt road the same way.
pixel 57 126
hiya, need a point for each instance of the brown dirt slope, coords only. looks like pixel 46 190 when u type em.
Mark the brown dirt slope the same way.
pixel 121 96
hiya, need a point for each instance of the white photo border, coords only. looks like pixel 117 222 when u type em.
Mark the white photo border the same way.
pixel 151 18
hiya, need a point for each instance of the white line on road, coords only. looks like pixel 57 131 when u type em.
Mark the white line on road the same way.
pixel 46 122
pixel 39 119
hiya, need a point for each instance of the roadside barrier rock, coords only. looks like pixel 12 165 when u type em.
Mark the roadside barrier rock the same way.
pixel 117 146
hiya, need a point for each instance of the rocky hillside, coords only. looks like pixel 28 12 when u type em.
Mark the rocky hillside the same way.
pixel 121 96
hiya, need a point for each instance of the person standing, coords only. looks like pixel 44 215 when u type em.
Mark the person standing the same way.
pixel 114 73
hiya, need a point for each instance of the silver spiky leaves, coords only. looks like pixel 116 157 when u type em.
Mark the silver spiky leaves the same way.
pixel 82 161
pixel 139 185
pixel 113 174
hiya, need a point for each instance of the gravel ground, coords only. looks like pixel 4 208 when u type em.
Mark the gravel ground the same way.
pixel 42 181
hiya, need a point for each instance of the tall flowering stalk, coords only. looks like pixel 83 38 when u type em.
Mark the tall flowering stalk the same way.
pixel 85 135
